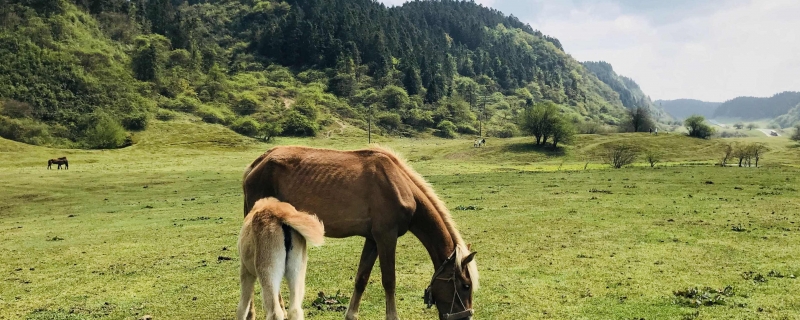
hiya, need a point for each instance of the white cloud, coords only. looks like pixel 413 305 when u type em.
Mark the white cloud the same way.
pixel 749 49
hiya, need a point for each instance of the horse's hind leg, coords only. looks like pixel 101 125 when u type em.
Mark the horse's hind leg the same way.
pixel 296 276
pixel 245 310
pixel 368 256
pixel 270 266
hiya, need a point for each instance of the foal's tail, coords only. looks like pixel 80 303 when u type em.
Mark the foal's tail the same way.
pixel 308 225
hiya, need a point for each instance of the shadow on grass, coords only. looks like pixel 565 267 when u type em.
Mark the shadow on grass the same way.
pixel 532 147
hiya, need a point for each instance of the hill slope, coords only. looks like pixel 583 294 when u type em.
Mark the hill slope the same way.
pixel 752 108
pixel 683 108
pixel 628 90
pixel 81 73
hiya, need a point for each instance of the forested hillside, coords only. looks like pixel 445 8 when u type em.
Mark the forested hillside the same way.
pixel 629 91
pixel 85 72
pixel 752 108
pixel 683 108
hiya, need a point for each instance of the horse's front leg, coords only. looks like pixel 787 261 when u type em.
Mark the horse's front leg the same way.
pixel 368 256
pixel 387 245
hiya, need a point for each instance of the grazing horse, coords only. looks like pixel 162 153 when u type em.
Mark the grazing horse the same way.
pixel 59 162
pixel 272 245
pixel 479 143
pixel 374 194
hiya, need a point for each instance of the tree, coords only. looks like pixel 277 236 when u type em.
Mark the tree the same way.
pixel 539 120
pixel 751 126
pixel 741 152
pixel 270 129
pixel 620 155
pixel 652 157
pixel 757 151
pixel 738 126
pixel 697 127
pixel 563 132
pixel 728 150
pixel 639 119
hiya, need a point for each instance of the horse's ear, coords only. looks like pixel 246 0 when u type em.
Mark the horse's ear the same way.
pixel 469 246
pixel 468 259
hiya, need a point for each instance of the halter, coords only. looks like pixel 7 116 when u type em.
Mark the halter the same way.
pixel 430 301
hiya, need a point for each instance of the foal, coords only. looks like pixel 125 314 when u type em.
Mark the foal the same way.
pixel 272 245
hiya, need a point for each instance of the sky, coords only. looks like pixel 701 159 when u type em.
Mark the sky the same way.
pixel 711 50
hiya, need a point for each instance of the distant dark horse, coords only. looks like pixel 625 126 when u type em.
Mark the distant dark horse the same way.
pixel 59 162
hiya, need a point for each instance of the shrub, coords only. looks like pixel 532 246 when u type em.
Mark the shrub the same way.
pixel 246 126
pixel 105 134
pixel 796 135
pixel 165 115
pixel 419 118
pixel 447 129
pixel 653 157
pixel 136 121
pixel 211 114
pixel 247 104
pixel 698 128
pixel 270 129
pixel 466 129
pixel 620 155
pixel 390 121
pixel 299 125
pixel 24 130
pixel 16 109
pixel 507 130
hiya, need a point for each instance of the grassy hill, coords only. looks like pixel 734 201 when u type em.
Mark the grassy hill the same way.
pixel 86 74
pixel 140 230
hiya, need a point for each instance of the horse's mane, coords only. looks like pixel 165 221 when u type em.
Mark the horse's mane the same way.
pixel 425 187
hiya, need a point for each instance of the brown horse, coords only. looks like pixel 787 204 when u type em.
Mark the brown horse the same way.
pixel 59 162
pixel 371 193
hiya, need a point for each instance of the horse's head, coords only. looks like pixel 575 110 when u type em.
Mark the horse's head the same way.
pixel 452 286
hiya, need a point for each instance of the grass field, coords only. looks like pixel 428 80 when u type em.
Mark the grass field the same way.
pixel 140 231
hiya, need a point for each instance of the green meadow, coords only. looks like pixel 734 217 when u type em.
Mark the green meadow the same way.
pixel 147 230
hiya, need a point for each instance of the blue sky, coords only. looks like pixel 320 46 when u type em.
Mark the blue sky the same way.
pixel 711 50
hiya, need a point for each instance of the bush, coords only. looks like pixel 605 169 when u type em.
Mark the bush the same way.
pixel 24 130
pixel 507 130
pixel 390 121
pixel 466 129
pixel 212 115
pixel 620 155
pixel 135 122
pixel 270 129
pixel 796 135
pixel 106 134
pixel 16 109
pixel 247 104
pixel 165 115
pixel 447 129
pixel 246 126
pixel 652 157
pixel 299 125
pixel 419 118
pixel 698 128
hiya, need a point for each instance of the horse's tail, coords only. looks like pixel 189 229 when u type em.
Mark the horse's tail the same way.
pixel 306 224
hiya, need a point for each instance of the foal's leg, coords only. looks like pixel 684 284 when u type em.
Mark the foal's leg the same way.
pixel 244 311
pixel 296 276
pixel 270 264
pixel 387 246
pixel 368 256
